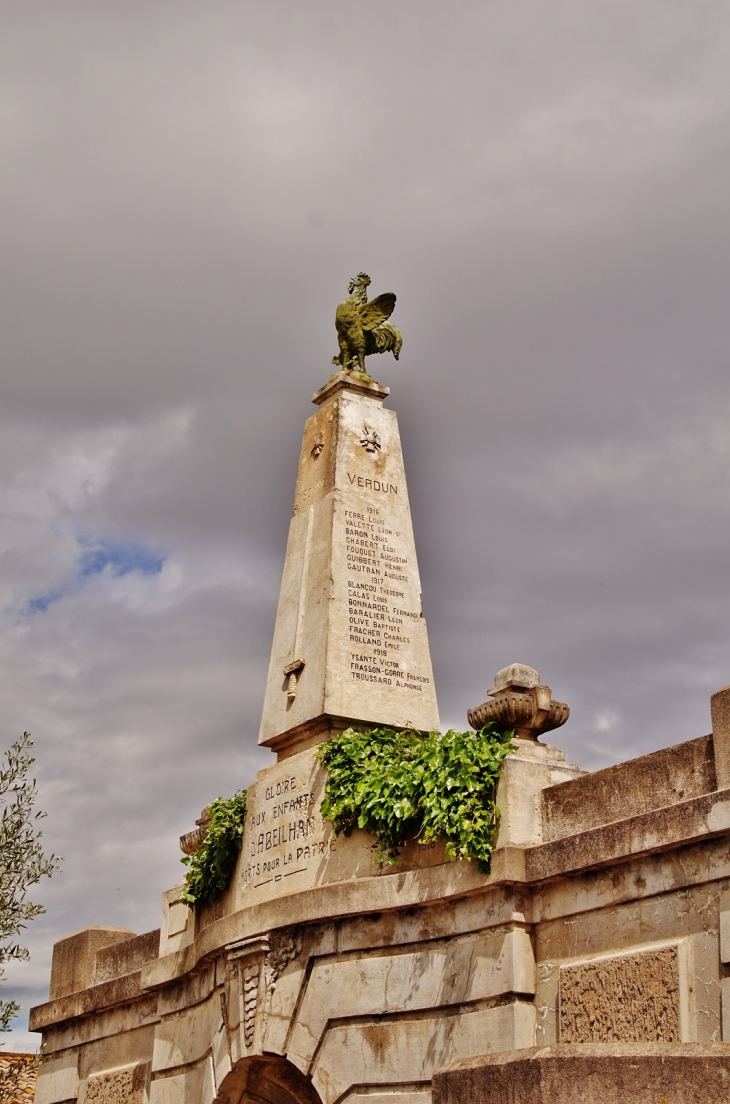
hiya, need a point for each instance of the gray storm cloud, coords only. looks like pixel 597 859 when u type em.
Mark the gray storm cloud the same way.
pixel 187 189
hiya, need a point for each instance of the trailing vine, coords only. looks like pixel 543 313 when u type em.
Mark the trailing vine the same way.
pixel 210 867
pixel 399 785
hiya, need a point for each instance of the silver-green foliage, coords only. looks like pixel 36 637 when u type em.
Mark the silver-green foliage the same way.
pixel 210 867
pixel 399 785
pixel 22 861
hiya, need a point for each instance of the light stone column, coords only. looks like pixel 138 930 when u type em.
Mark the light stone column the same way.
pixel 350 642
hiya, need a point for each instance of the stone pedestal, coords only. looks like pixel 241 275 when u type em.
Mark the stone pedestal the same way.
pixel 525 774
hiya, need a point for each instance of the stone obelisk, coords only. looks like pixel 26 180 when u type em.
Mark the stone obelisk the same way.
pixel 350 642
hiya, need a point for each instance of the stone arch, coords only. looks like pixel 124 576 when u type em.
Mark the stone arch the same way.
pixel 266 1080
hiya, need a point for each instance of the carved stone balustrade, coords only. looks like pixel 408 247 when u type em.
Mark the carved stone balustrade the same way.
pixel 520 701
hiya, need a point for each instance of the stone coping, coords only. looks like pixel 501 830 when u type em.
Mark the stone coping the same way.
pixel 94 999
pixel 350 381
pixel 591 1073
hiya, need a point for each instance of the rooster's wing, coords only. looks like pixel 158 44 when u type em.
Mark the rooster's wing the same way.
pixel 377 310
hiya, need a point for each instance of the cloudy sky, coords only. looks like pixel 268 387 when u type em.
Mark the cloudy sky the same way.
pixel 186 189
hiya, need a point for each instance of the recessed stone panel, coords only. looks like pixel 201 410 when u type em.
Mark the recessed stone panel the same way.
pixel 629 998
pixel 120 1086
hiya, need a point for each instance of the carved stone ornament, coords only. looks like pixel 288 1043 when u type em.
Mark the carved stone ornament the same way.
pixel 316 449
pixel 363 327
pixel 292 671
pixel 520 702
pixel 254 967
pixel 284 946
pixel 370 440
pixel 192 841
pixel 245 965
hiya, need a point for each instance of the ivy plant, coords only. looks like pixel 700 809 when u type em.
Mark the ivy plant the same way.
pixel 210 867
pixel 400 785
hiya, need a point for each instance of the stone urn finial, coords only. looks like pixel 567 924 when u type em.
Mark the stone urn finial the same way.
pixel 192 841
pixel 521 702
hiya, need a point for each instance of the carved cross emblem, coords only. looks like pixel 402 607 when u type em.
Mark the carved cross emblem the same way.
pixel 370 440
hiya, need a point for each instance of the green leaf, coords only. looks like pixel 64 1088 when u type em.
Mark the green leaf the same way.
pixel 210 867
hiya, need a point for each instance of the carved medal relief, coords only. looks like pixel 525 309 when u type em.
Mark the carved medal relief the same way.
pixel 629 998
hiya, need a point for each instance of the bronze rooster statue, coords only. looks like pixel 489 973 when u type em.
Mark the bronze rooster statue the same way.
pixel 363 327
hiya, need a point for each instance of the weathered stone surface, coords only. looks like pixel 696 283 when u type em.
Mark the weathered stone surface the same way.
pixel 644 1073
pixel 93 999
pixel 195 1085
pixel 350 605
pixel 685 921
pixel 126 957
pixel 642 785
pixel 184 1037
pixel 121 1086
pixel 74 958
pixel 129 1021
pixel 525 774
pixel 662 829
pixel 288 847
pixel 398 1050
pixel 58 1079
pixel 629 998
pixel 177 928
pixel 465 971
pixel 720 711
pixel 416 1095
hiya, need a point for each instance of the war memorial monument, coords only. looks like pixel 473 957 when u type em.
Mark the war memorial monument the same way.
pixel 591 963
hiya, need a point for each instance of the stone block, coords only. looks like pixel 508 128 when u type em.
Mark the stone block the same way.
pixel 465 970
pixel 591 1073
pixel 525 774
pixel 177 929
pixel 725 926
pixel 58 1079
pixel 127 1085
pixel 641 785
pixel 185 1037
pixel 720 713
pixel 74 958
pixel 397 1096
pixel 397 1051
pixel 125 957
pixel 194 1085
